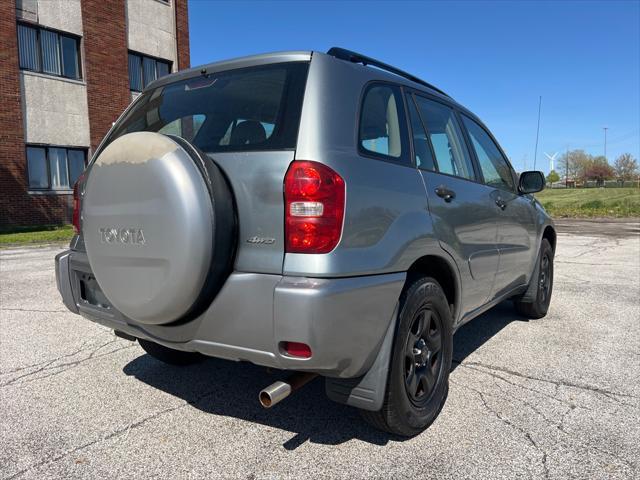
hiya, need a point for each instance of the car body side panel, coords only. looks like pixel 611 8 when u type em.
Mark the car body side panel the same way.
pixel 516 242
pixel 387 225
pixel 466 228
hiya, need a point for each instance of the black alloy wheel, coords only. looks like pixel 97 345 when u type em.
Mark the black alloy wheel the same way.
pixel 423 359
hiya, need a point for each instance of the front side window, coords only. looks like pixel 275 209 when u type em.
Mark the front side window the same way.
pixel 54 168
pixel 248 109
pixel 143 70
pixel 444 133
pixel 46 51
pixel 382 125
pixel 495 169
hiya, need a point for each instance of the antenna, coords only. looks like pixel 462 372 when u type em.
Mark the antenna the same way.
pixel 535 155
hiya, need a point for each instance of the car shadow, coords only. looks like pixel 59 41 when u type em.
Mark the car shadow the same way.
pixel 230 389
pixel 471 336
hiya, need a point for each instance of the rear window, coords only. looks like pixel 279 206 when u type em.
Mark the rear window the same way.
pixel 255 108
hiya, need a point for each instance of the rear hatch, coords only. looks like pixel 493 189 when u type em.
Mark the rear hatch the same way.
pixel 246 120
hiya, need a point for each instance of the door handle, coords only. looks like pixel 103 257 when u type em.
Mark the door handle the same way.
pixel 501 203
pixel 445 193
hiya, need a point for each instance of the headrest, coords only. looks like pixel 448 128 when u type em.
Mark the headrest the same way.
pixel 248 133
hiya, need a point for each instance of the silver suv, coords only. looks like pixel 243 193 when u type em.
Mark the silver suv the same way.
pixel 325 214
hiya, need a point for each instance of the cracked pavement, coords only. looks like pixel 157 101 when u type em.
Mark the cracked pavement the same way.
pixel 551 398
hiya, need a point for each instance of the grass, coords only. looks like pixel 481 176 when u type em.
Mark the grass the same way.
pixel 35 235
pixel 591 202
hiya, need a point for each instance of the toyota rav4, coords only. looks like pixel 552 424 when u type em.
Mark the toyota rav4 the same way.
pixel 325 214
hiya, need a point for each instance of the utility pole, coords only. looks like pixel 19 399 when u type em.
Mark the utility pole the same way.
pixel 605 142
pixel 535 154
pixel 566 169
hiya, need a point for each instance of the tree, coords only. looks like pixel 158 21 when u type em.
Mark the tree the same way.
pixel 573 164
pixel 553 177
pixel 598 169
pixel 625 167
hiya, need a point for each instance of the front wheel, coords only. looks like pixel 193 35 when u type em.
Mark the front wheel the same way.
pixel 169 355
pixel 538 305
pixel 418 381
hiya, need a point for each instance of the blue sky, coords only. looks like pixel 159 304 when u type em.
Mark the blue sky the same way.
pixel 494 57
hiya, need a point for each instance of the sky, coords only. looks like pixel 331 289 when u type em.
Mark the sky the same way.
pixel 494 57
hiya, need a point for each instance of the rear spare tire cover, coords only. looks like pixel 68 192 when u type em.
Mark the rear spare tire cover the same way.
pixel 148 225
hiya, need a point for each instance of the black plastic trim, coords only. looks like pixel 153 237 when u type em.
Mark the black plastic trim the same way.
pixel 354 57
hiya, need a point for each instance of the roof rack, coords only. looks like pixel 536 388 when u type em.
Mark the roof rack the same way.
pixel 348 55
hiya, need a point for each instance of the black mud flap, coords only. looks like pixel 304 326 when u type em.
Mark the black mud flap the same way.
pixel 366 392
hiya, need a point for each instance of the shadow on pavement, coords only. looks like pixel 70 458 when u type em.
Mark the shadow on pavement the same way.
pixel 471 336
pixel 231 389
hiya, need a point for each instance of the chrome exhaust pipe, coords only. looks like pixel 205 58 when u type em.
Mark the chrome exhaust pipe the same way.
pixel 278 391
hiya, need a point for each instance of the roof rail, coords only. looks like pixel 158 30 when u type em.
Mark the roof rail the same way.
pixel 348 55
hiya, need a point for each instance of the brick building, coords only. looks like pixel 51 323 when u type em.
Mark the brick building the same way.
pixel 68 68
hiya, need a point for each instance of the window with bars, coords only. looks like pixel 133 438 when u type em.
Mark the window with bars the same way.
pixel 144 69
pixel 54 168
pixel 50 52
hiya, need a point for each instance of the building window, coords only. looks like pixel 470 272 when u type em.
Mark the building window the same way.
pixel 54 168
pixel 46 51
pixel 144 69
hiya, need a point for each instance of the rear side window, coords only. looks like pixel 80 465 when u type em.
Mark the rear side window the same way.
pixel 444 133
pixel 255 108
pixel 421 148
pixel 382 129
pixel 495 169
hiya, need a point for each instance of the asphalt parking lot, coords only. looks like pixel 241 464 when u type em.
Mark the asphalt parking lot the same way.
pixel 551 398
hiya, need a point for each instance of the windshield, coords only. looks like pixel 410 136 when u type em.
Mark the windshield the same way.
pixel 255 108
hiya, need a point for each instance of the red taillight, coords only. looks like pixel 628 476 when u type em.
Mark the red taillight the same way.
pixel 76 204
pixel 296 349
pixel 314 201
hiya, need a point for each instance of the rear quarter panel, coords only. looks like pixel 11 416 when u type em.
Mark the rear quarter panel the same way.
pixel 387 224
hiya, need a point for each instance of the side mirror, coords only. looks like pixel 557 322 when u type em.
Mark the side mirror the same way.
pixel 531 182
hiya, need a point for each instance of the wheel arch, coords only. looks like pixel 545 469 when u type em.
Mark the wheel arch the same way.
pixel 550 234
pixel 445 272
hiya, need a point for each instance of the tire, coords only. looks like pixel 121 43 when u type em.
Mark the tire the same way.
pixel 418 381
pixel 169 355
pixel 543 278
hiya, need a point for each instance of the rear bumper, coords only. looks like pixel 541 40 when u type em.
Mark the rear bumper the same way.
pixel 343 320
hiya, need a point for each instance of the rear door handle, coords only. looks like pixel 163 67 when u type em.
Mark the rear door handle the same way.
pixel 443 192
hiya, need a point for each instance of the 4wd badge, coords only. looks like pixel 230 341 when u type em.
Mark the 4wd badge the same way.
pixel 261 240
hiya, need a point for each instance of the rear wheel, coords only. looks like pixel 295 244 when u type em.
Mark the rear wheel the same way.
pixel 418 381
pixel 169 355
pixel 543 278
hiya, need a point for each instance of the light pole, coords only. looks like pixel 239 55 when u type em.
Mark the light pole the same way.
pixel 605 141
pixel 566 171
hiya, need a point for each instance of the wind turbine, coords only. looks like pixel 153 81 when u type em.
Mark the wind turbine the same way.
pixel 551 159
